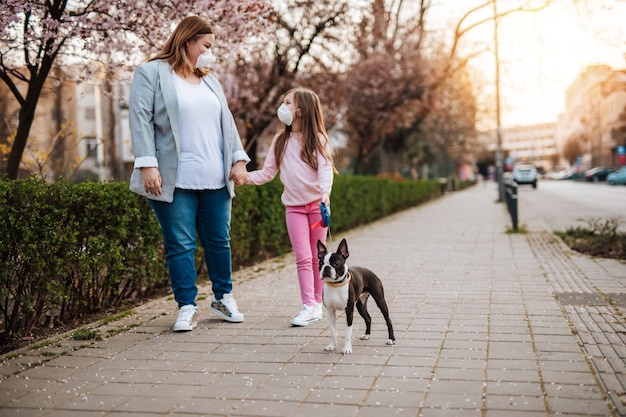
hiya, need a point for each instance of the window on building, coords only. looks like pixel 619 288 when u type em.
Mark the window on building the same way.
pixel 90 113
pixel 91 147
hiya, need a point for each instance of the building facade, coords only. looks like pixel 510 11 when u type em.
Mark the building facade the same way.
pixel 531 144
pixel 593 105
pixel 80 131
pixel 595 108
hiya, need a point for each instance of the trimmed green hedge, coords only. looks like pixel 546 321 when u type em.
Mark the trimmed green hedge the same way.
pixel 357 200
pixel 72 249
pixel 258 220
pixel 68 249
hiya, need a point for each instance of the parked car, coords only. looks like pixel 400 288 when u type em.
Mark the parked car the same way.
pixel 555 175
pixel 617 177
pixel 598 173
pixel 567 174
pixel 525 174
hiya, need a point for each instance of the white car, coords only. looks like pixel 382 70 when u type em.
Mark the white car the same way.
pixel 525 174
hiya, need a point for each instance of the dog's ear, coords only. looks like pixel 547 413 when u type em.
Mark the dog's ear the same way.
pixel 343 249
pixel 321 250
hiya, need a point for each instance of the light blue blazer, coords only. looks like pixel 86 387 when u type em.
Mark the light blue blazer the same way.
pixel 155 128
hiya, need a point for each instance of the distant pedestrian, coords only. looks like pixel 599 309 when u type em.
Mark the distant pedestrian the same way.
pixel 302 153
pixel 187 155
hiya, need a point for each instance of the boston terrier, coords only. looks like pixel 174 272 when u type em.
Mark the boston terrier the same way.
pixel 343 288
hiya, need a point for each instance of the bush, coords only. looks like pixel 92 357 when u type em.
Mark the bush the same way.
pixel 598 238
pixel 357 200
pixel 73 249
pixel 258 228
pixel 258 225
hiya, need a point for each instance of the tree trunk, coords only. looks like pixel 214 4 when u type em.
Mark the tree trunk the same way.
pixel 57 154
pixel 389 161
pixel 358 161
pixel 27 115
pixel 252 150
pixel 112 123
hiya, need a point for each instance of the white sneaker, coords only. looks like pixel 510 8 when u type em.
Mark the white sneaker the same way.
pixel 319 310
pixel 187 318
pixel 227 309
pixel 307 316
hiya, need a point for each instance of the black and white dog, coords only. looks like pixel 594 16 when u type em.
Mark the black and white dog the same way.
pixel 344 288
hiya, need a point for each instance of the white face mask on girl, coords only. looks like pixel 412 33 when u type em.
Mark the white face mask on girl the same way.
pixel 205 59
pixel 285 114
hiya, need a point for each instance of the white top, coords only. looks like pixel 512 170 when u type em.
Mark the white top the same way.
pixel 201 164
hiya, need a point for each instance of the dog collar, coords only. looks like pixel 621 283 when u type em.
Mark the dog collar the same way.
pixel 344 280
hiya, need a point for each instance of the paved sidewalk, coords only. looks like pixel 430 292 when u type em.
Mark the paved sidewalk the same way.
pixel 487 324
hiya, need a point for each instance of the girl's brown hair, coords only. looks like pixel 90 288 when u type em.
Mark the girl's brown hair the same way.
pixel 312 123
pixel 189 29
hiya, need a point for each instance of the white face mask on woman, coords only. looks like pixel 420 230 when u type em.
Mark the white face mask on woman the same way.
pixel 285 114
pixel 204 59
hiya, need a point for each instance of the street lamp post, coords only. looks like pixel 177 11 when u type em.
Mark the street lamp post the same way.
pixel 499 170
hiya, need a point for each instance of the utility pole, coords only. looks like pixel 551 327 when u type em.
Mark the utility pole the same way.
pixel 499 170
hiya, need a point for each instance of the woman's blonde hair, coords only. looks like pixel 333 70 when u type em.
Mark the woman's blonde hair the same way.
pixel 174 52
pixel 312 124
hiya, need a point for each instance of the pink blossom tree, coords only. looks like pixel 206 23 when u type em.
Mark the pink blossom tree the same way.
pixel 405 72
pixel 84 36
pixel 305 47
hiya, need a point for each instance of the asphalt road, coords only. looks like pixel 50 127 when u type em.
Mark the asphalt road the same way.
pixel 559 205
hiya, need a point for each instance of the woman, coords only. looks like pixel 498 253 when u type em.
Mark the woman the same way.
pixel 187 155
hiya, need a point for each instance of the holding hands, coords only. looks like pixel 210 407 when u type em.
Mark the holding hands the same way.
pixel 238 173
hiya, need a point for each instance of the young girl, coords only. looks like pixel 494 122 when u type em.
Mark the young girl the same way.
pixel 302 154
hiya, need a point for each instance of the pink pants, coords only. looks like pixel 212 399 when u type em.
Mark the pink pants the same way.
pixel 300 220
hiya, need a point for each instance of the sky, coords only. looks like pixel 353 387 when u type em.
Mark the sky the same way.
pixel 542 53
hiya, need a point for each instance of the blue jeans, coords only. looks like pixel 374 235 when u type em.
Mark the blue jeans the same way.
pixel 207 213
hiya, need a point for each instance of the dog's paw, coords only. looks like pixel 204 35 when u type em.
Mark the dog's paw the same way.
pixel 365 337
pixel 391 342
pixel 347 349
pixel 329 348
